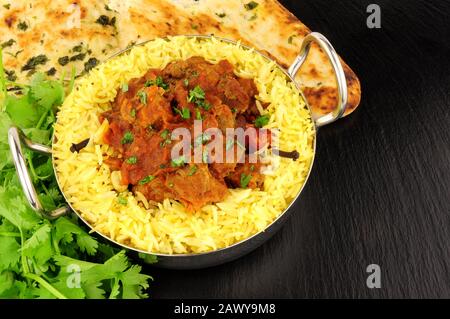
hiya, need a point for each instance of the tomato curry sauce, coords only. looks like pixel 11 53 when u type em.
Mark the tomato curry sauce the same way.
pixel 148 109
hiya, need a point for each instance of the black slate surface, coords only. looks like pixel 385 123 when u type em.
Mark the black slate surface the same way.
pixel 380 187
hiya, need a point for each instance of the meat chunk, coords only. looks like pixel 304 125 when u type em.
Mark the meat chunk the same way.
pixel 196 189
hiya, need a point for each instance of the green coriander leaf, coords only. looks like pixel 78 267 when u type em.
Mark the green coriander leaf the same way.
pixel 196 93
pixel 203 104
pixel 262 120
pixel 64 230
pixel 86 243
pixel 205 156
pixel 127 138
pixel 178 162
pixel 245 179
pixel 165 134
pixel 14 207
pixel 142 97
pixel 202 139
pixel 9 252
pixel 21 111
pixel 133 282
pixel 146 179
pixel 192 170
pixel 198 115
pixel 47 93
pixel 160 82
pixel 39 245
pixel 185 113
pixel 122 201
pixel 148 258
pixel 125 87
pixel 131 160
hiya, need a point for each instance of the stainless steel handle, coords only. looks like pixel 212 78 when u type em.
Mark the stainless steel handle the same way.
pixel 16 138
pixel 326 46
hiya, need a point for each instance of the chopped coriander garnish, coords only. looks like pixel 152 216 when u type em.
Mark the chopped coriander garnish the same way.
pixel 252 168
pixel 251 5
pixel 203 104
pixel 202 139
pixel 192 170
pixel 162 166
pixel 170 184
pixel 185 113
pixel 133 113
pixel 205 156
pixel 180 161
pixel 196 93
pixel 159 81
pixel 262 120
pixel 146 179
pixel 125 87
pixel 165 134
pixel 186 82
pixel 7 6
pixel 142 97
pixel 245 179
pixel 165 142
pixel 127 138
pixel 221 15
pixel 23 26
pixel 198 115
pixel 122 201
pixel 234 110
pixel 194 26
pixel 131 160
pixel 63 60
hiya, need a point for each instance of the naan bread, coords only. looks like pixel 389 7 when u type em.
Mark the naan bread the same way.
pixel 55 28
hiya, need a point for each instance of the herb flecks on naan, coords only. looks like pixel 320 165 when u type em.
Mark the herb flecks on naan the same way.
pixel 55 30
pixel 52 36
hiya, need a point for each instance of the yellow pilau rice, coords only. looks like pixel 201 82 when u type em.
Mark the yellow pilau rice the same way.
pixel 86 179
